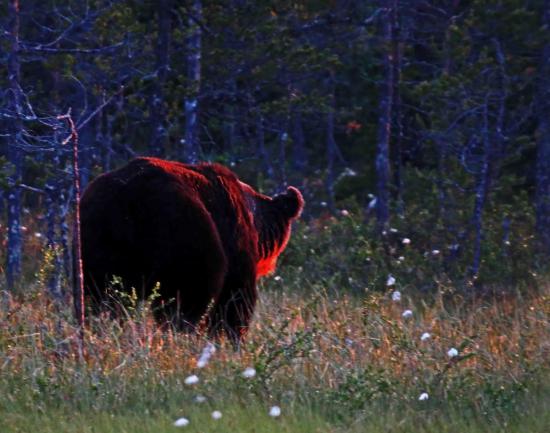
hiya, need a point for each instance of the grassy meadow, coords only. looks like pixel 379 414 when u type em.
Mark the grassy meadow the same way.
pixel 358 337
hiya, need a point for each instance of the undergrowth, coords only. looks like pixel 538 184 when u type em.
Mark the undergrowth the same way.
pixel 353 333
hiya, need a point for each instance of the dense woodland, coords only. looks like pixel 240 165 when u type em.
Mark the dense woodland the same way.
pixel 425 120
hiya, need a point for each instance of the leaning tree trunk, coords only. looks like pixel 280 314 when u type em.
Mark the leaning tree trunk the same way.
pixel 15 154
pixel 191 138
pixel 385 123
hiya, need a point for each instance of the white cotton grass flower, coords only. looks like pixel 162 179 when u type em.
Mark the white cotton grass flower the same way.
pixel 249 373
pixel 390 281
pixel 406 241
pixel 181 422
pixel 396 296
pixel 423 396
pixel 200 398
pixel 407 313
pixel 275 411
pixel 191 380
pixel 452 352
pixel 425 336
pixel 216 414
pixel 207 352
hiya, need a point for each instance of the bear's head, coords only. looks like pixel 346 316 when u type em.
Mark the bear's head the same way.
pixel 273 218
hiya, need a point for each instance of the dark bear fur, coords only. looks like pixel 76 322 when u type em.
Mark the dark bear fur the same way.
pixel 196 229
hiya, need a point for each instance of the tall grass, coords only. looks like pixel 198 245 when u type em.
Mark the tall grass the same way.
pixel 328 343
pixel 331 362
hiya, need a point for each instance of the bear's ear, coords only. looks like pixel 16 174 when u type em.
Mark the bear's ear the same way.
pixel 290 202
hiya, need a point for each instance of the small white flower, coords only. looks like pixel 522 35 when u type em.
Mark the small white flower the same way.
pixel 372 203
pixel 423 396
pixel 401 259
pixel 200 398
pixel 216 414
pixel 390 281
pixel 181 422
pixel 396 296
pixel 207 352
pixel 344 212
pixel 407 313
pixel 435 252
pixel 38 234
pixel 406 241
pixel 275 411
pixel 277 278
pixel 425 336
pixel 323 204
pixel 191 380
pixel 393 230
pixel 249 373
pixel 452 352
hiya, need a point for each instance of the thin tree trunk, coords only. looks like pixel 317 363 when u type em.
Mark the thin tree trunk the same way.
pixel 481 190
pixel 283 141
pixel 158 111
pixel 385 124
pixel 15 155
pixel 396 151
pixel 54 196
pixel 299 160
pixel 331 152
pixel 261 150
pixel 191 139
pixel 542 199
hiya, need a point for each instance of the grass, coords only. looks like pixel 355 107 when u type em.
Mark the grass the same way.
pixel 333 363
pixel 328 344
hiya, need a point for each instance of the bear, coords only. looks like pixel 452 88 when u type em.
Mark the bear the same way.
pixel 194 233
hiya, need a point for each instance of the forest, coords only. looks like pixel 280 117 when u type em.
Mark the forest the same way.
pixel 413 294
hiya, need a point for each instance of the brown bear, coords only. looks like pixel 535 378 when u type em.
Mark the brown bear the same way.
pixel 196 230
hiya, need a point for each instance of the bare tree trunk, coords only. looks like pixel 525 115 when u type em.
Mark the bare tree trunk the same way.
pixel 78 273
pixel 481 190
pixel 299 160
pixel 191 139
pixel 15 154
pixel 331 153
pixel 396 151
pixel 229 127
pixel 385 123
pixel 283 141
pixel 261 150
pixel 158 111
pixel 542 199
pixel 54 197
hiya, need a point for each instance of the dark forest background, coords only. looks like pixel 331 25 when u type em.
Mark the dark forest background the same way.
pixel 399 120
